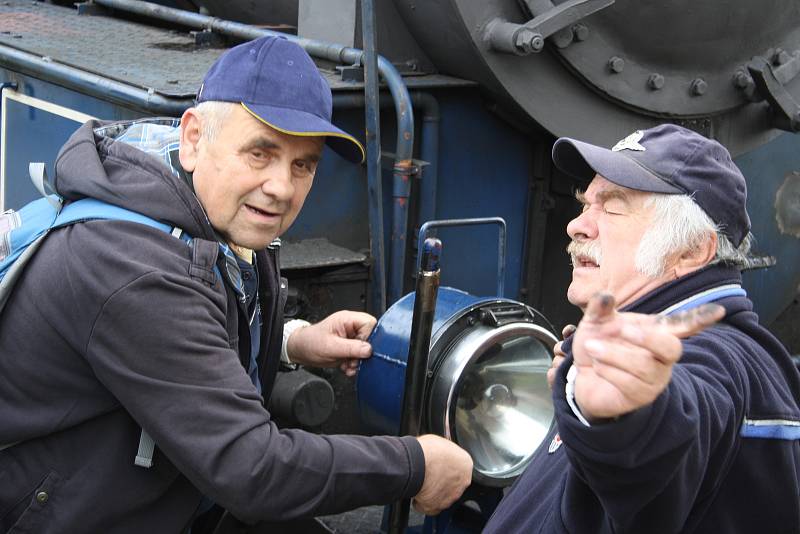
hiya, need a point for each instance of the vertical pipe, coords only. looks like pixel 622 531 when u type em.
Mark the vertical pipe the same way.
pixel 429 153
pixel 417 362
pixel 374 181
pixel 429 107
pixel 401 191
pixel 404 171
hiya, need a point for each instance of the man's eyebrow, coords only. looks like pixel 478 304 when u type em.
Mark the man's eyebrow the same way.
pixel 581 197
pixel 609 194
pixel 263 143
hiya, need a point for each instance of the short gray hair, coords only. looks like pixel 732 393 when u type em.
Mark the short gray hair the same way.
pixel 679 224
pixel 214 114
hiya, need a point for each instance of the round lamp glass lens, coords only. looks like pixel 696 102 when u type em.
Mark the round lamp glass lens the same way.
pixel 503 406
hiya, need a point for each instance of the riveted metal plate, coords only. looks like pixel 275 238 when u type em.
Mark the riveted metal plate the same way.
pixel 166 61
pixel 696 47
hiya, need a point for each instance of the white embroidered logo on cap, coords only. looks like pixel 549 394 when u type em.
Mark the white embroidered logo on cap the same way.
pixel 630 143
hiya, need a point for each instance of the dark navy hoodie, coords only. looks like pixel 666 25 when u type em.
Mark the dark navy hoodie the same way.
pixel 717 452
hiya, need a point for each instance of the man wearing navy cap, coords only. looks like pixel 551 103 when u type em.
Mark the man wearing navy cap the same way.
pixel 675 410
pixel 175 340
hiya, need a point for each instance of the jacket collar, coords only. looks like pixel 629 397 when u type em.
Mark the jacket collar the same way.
pixel 705 279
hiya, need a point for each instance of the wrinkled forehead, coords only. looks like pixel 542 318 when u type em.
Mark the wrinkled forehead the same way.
pixel 247 129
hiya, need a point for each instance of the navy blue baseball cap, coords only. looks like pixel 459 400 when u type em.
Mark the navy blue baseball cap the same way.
pixel 276 81
pixel 666 159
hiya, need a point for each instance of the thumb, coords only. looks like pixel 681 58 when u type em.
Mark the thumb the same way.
pixel 348 348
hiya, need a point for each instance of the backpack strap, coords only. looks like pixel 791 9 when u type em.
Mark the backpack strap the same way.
pixel 10 278
pixel 87 209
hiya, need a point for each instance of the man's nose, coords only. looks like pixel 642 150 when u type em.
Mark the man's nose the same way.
pixel 583 226
pixel 278 183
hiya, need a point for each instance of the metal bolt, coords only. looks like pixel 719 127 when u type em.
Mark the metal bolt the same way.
pixel 562 38
pixel 581 31
pixel 655 81
pixel 780 57
pixel 699 87
pixel 42 497
pixel 527 41
pixel 616 64
pixel 742 80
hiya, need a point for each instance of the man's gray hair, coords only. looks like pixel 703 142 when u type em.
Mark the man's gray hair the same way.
pixel 214 114
pixel 678 225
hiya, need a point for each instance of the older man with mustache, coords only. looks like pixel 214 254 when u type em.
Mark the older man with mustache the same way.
pixel 675 410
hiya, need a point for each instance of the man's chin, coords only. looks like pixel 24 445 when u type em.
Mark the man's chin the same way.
pixel 577 297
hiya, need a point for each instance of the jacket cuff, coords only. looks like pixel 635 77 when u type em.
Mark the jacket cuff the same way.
pixel 416 462
pixel 607 436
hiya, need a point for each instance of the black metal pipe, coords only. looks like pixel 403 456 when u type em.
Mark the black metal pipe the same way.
pixel 91 84
pixel 417 362
pixel 373 135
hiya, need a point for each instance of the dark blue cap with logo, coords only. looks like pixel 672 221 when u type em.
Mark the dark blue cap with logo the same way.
pixel 667 159
pixel 278 83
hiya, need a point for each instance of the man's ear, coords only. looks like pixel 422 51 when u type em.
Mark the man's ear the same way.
pixel 697 257
pixel 191 132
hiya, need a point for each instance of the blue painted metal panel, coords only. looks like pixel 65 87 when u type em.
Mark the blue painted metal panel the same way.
pixel 484 168
pixel 766 169
pixel 381 378
pixel 34 134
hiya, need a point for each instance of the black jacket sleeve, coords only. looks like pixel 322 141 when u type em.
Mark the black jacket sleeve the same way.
pixel 160 346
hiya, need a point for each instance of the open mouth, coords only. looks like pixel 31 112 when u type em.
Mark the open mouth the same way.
pixel 584 261
pixel 260 212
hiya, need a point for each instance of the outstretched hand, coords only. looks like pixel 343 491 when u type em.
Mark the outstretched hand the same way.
pixel 339 339
pixel 625 360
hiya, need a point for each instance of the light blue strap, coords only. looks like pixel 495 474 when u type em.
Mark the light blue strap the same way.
pixel 87 209
pixel 10 278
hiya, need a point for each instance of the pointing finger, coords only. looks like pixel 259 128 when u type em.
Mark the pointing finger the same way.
pixel 600 308
pixel 690 322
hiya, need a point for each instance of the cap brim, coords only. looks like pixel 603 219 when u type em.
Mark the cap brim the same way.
pixel 304 124
pixel 582 161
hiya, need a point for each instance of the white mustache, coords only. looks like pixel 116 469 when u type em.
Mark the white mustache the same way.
pixel 589 250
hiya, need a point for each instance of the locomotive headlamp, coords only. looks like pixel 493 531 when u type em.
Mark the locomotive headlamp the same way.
pixel 487 388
